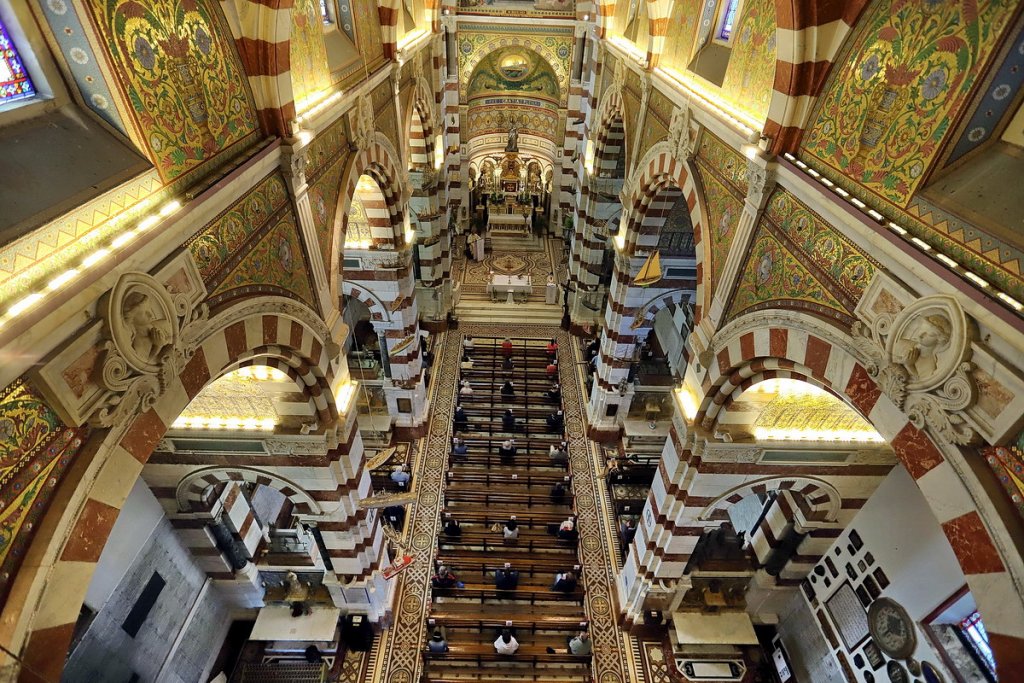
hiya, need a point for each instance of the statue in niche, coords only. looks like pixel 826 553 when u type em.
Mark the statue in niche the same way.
pixel 920 349
pixel 513 138
pixel 148 332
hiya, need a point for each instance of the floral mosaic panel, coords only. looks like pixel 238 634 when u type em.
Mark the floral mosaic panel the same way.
pixel 846 267
pixel 308 53
pixel 227 236
pixel 775 276
pixel 725 161
pixel 683 30
pixel 750 77
pixel 724 210
pixel 274 265
pixel 1008 464
pixel 35 450
pixel 323 200
pixel 385 120
pixel 182 77
pixel 325 147
pixel 905 75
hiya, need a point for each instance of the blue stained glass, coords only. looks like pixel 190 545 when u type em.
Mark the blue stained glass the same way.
pixel 14 81
pixel 325 13
pixel 727 21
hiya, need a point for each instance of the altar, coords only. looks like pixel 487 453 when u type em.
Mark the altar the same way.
pixel 515 286
pixel 508 224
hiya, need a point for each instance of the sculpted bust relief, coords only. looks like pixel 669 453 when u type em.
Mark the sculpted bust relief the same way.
pixel 921 348
pixel 148 332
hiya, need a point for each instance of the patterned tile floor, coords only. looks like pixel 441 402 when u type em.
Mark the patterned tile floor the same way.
pixel 616 656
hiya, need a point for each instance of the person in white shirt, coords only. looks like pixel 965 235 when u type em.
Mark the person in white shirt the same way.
pixel 468 344
pixel 506 644
pixel 511 531
pixel 465 389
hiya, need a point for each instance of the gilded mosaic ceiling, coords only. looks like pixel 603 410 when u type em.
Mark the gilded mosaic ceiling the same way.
pixel 248 398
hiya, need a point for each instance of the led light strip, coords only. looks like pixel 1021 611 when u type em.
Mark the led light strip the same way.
pixel 121 240
pixel 921 245
pixel 741 121
pixel 826 435
pixel 231 424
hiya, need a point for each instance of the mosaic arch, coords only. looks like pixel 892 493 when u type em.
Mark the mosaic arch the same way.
pixel 763 345
pixel 192 491
pixel 419 127
pixel 610 139
pixel 266 326
pixel 658 170
pixel 823 500
pixel 379 161
pixel 378 310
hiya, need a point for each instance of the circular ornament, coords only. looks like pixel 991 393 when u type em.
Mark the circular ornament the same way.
pixel 892 628
pixel 914 667
pixel 897 672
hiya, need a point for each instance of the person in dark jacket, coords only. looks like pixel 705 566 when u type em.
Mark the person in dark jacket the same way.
pixel 506 578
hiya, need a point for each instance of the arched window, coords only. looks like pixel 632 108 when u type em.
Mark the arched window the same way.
pixel 15 83
pixel 728 18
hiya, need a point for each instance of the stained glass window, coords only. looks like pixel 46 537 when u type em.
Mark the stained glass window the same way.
pixel 325 12
pixel 728 17
pixel 974 630
pixel 14 81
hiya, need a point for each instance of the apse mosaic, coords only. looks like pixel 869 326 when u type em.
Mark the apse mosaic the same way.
pixel 36 448
pixel 182 77
pixel 724 209
pixel 554 45
pixel 514 70
pixel 308 54
pixel 750 77
pixel 226 236
pixel 904 76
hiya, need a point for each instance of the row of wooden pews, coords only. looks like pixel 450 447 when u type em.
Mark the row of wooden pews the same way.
pixel 484 490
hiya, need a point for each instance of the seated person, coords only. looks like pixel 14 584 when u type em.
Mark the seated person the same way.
pixel 507 451
pixel 437 642
pixel 508 421
pixel 506 578
pixel 467 363
pixel 313 655
pixel 580 644
pixel 467 344
pixel 555 392
pixel 508 364
pixel 593 347
pixel 565 582
pixel 400 476
pixel 465 389
pixel 511 531
pixel 506 347
pixel 627 531
pixel 552 348
pixel 460 420
pixel 452 528
pixel 506 644
pixel 552 368
pixel 556 422
pixel 459 447
pixel 567 530
pixel 444 578
pixel 559 455
pixel 557 494
pixel 508 389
